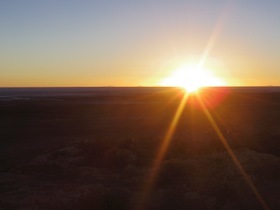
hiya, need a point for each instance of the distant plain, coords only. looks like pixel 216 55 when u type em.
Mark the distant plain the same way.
pixel 95 146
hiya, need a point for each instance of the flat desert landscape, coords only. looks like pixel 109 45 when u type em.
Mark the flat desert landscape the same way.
pixel 140 148
pixel 140 105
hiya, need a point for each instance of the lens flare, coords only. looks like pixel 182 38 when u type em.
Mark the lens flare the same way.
pixel 191 78
pixel 152 176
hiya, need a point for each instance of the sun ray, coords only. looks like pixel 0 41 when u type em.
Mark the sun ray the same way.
pixel 152 176
pixel 192 77
pixel 215 34
pixel 232 155
pixel 190 86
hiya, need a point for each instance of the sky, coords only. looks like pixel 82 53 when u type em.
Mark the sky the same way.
pixel 137 43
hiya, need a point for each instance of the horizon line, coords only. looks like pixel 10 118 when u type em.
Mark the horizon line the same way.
pixel 141 86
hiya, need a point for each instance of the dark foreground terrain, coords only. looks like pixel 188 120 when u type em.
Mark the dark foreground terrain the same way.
pixel 94 148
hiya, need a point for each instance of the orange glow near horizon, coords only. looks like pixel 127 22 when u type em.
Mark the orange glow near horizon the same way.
pixel 192 77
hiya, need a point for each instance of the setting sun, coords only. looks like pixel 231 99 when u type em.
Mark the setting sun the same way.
pixel 191 78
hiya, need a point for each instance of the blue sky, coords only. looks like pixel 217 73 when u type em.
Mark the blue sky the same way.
pixel 115 42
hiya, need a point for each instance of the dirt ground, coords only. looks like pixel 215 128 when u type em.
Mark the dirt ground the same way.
pixel 94 148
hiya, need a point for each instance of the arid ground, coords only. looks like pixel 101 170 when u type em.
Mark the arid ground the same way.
pixel 97 148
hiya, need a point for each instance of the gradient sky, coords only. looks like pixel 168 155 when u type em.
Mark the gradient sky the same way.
pixel 132 43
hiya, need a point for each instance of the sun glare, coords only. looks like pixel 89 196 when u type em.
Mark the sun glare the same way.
pixel 192 78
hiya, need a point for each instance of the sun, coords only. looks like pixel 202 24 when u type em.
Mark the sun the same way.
pixel 192 78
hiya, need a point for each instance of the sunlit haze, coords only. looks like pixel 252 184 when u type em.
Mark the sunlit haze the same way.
pixel 191 78
pixel 140 104
pixel 139 43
